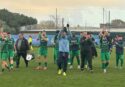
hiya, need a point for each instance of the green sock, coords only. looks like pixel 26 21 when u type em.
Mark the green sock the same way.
pixel 121 62
pixel 103 66
pixel 78 61
pixel 54 58
pixel 117 62
pixel 2 70
pixel 39 63
pixel 106 64
pixel 45 64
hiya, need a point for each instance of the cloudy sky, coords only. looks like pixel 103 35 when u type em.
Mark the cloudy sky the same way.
pixel 75 12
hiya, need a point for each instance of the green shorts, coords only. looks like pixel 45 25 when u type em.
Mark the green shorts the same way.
pixel 4 55
pixel 43 51
pixel 11 54
pixel 119 56
pixel 105 56
pixel 74 53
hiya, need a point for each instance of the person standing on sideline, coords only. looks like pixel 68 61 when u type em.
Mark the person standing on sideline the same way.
pixel 119 51
pixel 11 49
pixel 22 48
pixel 64 38
pixel 43 50
pixel 30 40
pixel 105 49
pixel 74 47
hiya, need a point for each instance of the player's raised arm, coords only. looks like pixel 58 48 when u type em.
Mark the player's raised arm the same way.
pixel 69 33
pixel 39 36
pixel 44 37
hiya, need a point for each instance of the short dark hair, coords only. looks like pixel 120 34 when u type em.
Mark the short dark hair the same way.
pixel 65 29
pixel 57 31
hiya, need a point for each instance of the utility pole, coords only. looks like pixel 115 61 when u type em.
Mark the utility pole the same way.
pixel 103 16
pixel 62 23
pixel 109 14
pixel 56 19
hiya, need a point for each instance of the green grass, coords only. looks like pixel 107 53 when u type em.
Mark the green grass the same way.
pixel 27 77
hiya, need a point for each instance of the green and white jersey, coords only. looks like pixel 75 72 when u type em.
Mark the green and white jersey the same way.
pixel 11 43
pixel 104 44
pixel 4 45
pixel 74 44
pixel 43 43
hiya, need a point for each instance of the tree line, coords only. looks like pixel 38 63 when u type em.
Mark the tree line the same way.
pixel 12 22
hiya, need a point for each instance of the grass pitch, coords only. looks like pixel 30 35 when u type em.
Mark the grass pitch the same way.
pixel 27 77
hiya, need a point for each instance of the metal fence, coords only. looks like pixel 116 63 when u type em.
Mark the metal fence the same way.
pixel 50 37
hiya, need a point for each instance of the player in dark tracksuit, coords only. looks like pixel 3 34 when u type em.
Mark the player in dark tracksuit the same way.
pixel 82 38
pixel 119 51
pixel 87 52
